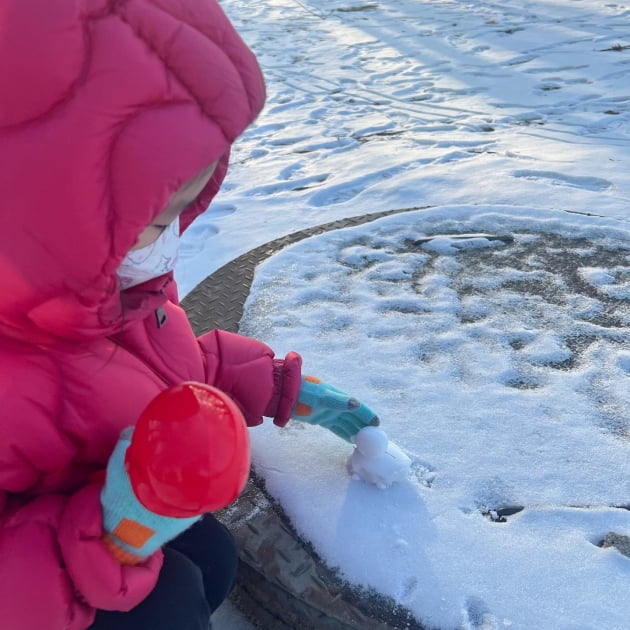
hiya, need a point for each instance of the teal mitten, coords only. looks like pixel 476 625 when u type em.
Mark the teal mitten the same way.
pixel 329 407
pixel 132 532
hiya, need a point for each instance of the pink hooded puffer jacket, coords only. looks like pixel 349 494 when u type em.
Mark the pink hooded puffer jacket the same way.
pixel 106 108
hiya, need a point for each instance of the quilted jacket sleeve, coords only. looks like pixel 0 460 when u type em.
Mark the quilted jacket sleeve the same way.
pixel 54 570
pixel 248 371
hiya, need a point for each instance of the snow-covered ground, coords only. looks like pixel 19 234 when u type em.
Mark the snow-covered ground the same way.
pixel 500 365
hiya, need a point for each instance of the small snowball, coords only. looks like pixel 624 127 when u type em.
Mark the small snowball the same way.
pixel 376 460
pixel 371 441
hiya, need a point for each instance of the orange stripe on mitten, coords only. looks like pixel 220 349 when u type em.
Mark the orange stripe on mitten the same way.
pixel 133 534
pixel 302 409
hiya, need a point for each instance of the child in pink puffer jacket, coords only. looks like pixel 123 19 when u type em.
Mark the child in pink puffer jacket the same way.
pixel 116 121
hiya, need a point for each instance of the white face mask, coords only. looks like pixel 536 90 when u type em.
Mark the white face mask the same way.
pixel 151 261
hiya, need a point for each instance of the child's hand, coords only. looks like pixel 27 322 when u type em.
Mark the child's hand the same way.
pixel 329 407
pixel 132 532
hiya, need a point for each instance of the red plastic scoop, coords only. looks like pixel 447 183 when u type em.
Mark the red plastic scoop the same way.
pixel 189 453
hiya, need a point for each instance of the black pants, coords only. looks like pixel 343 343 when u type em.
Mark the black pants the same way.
pixel 198 573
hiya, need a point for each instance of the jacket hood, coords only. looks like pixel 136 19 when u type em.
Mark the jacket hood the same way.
pixel 107 107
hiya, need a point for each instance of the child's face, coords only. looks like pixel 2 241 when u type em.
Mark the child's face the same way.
pixel 180 200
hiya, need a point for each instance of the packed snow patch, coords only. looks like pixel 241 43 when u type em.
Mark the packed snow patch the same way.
pixel 505 378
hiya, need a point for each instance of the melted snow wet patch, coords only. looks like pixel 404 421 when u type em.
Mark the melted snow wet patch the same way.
pixel 493 345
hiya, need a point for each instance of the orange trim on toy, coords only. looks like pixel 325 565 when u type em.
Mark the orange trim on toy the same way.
pixel 313 379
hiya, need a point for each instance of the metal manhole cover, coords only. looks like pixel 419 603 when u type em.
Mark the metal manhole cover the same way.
pixel 574 281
